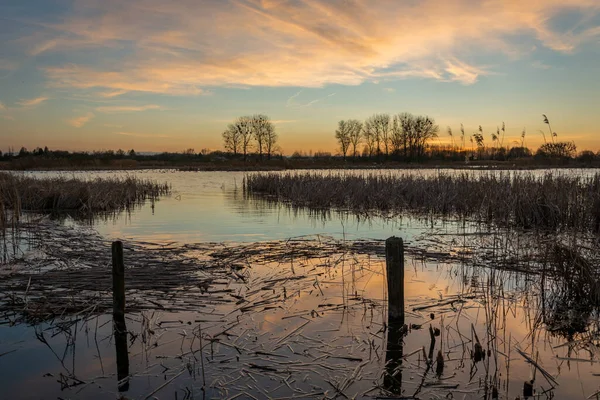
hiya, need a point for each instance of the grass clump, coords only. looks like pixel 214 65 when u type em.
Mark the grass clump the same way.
pixel 525 200
pixel 61 194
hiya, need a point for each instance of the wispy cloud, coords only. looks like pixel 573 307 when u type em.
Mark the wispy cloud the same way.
pixel 78 122
pixel 540 65
pixel 8 117
pixel 32 102
pixel 113 126
pixel 283 121
pixel 389 90
pixel 302 43
pixel 112 93
pixel 292 99
pixel 7 65
pixel 292 102
pixel 2 107
pixel 140 135
pixel 117 109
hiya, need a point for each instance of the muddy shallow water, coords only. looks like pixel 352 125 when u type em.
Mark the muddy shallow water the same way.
pixel 306 324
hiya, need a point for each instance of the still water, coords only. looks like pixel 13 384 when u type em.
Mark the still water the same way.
pixel 302 327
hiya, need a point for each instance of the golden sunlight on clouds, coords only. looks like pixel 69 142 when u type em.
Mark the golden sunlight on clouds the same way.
pixel 184 47
pixel 140 135
pixel 116 109
pixel 78 122
pixel 32 102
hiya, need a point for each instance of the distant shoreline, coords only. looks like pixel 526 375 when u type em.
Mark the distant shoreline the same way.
pixel 307 166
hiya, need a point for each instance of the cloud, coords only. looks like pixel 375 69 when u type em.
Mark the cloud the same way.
pixel 2 107
pixel 116 109
pixel 301 43
pixel 113 126
pixel 7 65
pixel 8 117
pixel 291 102
pixel 32 102
pixel 540 65
pixel 78 122
pixel 112 93
pixel 389 90
pixel 140 135
pixel 283 121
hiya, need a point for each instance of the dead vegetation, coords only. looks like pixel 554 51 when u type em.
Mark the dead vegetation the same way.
pixel 563 202
pixel 61 194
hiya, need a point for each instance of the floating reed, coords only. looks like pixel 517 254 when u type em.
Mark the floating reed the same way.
pixel 525 200
pixel 18 192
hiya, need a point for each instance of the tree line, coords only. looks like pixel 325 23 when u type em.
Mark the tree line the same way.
pixel 248 133
pixel 403 134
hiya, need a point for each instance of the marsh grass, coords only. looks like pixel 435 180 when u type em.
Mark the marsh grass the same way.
pixel 524 200
pixel 54 195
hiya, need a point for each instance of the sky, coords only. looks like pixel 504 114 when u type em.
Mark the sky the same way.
pixel 155 75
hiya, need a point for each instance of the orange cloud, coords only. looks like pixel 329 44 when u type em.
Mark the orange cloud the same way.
pixel 32 102
pixel 305 43
pixel 113 109
pixel 78 122
pixel 140 135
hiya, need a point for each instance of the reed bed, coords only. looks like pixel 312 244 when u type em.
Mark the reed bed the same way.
pixel 524 200
pixel 60 194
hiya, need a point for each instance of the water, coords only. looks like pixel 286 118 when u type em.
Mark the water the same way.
pixel 309 327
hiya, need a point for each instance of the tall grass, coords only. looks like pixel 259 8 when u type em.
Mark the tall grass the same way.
pixel 524 200
pixel 59 194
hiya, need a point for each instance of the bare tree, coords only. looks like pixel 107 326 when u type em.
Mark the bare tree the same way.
pixel 342 134
pixel 232 139
pixel 261 126
pixel 355 128
pixel 414 132
pixel 270 139
pixel 378 126
pixel 370 136
pixel 242 127
pixel 397 138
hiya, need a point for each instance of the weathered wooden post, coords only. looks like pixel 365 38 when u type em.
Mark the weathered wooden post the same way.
pixel 119 327
pixel 394 259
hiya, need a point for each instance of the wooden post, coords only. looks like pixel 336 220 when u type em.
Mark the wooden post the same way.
pixel 394 260
pixel 118 270
pixel 119 327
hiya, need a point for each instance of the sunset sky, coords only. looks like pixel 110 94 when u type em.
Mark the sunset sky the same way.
pixel 158 75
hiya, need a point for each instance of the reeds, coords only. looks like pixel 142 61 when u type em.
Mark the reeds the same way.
pixel 18 192
pixel 524 200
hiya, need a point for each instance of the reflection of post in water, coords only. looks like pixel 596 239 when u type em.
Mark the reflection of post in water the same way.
pixel 394 258
pixel 119 328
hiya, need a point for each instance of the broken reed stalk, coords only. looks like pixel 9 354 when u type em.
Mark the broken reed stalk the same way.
pixel 548 201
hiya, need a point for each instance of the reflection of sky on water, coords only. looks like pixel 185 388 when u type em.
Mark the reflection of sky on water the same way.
pixel 209 206
pixel 332 331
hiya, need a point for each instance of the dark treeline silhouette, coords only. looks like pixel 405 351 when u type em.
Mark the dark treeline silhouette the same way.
pixel 407 138
pixel 44 158
pixel 249 133
pixel 251 142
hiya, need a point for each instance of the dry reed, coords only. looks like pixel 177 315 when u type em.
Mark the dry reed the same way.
pixel 18 192
pixel 523 200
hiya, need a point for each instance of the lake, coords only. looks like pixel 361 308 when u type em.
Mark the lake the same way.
pixel 296 307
